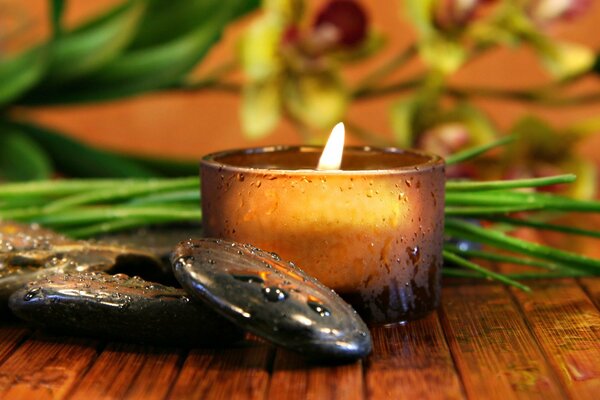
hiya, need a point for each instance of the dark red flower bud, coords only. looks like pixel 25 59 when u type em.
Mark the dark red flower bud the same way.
pixel 347 18
pixel 291 35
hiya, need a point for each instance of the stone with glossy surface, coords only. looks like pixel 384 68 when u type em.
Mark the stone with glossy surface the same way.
pixel 117 307
pixel 271 298
pixel 28 252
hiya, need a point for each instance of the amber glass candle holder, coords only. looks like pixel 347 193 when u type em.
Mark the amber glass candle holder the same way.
pixel 372 231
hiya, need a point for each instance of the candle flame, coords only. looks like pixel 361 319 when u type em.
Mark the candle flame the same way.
pixel 331 158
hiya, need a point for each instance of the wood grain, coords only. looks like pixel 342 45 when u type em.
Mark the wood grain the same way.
pixel 567 326
pixel 112 373
pixel 233 373
pixel 295 378
pixel 11 336
pixel 157 375
pixel 45 367
pixel 130 371
pixel 486 341
pixel 592 288
pixel 411 362
pixel 496 354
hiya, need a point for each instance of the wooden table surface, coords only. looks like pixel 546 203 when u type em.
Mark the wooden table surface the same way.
pixel 485 342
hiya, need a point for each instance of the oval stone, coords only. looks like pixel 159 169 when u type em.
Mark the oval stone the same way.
pixel 28 252
pixel 117 307
pixel 271 298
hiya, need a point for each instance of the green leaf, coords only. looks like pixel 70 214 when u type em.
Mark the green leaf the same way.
pixel 76 159
pixel 149 68
pixel 261 108
pixel 93 45
pixel 20 73
pixel 21 158
pixel 57 8
pixel 164 21
pixel 165 166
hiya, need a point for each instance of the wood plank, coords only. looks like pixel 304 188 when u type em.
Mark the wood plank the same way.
pixel 592 288
pixel 156 377
pixel 231 373
pixel 496 354
pixel 411 361
pixel 130 371
pixel 45 367
pixel 296 378
pixel 112 373
pixel 567 326
pixel 11 336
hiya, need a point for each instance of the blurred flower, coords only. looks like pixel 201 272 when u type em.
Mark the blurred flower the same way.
pixel 541 150
pixel 292 70
pixel 344 21
pixel 546 11
pixel 445 139
pixel 452 14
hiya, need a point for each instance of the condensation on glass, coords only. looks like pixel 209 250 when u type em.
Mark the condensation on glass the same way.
pixel 372 231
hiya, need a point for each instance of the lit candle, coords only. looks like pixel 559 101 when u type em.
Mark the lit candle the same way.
pixel 370 228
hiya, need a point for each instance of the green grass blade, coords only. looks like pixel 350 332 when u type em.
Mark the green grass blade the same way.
pixel 458 273
pixel 476 151
pixel 543 226
pixel 457 260
pixel 57 188
pixel 509 198
pixel 451 211
pixel 472 186
pixel 109 226
pixel 122 192
pixel 457 228
pixel 188 195
pixel 90 215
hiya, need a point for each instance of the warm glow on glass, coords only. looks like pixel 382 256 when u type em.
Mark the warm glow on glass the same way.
pixel 332 153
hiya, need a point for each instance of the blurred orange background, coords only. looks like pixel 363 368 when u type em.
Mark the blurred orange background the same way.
pixel 188 125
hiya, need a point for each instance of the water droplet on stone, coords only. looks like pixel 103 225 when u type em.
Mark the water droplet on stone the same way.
pixel 249 278
pixel 31 294
pixel 274 294
pixel 319 309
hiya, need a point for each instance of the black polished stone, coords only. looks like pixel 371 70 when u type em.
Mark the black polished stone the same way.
pixel 117 307
pixel 271 298
pixel 28 252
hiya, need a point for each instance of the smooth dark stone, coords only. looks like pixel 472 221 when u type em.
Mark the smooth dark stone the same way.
pixel 28 252
pixel 271 298
pixel 157 240
pixel 117 307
